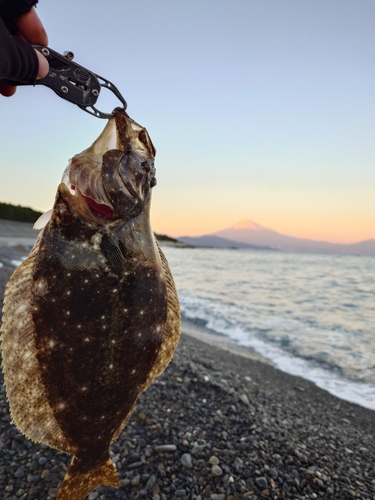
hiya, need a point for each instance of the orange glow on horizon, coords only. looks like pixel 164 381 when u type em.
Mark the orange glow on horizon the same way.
pixel 331 228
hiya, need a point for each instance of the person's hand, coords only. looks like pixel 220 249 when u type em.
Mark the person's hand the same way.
pixel 30 29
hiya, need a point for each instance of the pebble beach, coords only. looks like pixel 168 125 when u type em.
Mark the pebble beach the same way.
pixel 215 426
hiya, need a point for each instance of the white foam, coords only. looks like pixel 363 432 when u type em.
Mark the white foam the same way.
pixel 215 317
pixel 17 262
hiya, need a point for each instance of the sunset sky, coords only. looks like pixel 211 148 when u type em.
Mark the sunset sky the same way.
pixel 259 109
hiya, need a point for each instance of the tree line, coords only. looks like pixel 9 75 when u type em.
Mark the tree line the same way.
pixel 18 213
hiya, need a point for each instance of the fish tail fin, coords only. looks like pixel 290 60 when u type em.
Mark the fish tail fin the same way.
pixel 80 480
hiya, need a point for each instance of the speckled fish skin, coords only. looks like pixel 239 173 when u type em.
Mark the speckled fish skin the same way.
pixel 92 316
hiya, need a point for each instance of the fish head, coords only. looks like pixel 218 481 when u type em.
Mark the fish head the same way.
pixel 110 182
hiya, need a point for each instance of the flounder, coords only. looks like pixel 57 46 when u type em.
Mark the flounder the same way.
pixel 91 317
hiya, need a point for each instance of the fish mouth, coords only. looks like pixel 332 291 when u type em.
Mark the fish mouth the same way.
pixel 84 174
pixel 100 210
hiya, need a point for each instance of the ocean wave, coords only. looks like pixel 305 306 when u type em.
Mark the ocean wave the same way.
pixel 270 338
pixel 17 262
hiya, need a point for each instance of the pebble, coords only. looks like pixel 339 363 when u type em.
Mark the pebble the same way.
pixel 197 450
pixel 34 465
pixel 262 483
pixel 186 461
pixel 151 483
pixel 135 465
pixel 165 448
pixel 136 481
pixel 216 470
pixel 274 472
pixel 94 495
pixel 44 473
pixel 19 473
pixel 244 399
pixel 180 493
pixel 214 460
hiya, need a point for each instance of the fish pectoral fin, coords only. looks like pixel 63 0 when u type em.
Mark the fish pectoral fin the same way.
pixel 80 480
pixel 43 220
pixel 113 254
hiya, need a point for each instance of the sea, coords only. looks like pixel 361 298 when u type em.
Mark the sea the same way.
pixel 311 315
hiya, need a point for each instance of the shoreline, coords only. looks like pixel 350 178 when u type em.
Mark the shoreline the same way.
pixel 221 341
pixel 331 385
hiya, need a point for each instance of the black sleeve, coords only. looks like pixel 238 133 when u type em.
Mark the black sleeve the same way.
pixel 18 60
pixel 10 9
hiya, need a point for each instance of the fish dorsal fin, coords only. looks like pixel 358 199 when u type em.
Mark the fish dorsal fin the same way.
pixel 29 407
pixel 43 219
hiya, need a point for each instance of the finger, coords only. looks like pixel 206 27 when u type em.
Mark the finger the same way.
pixel 31 28
pixel 7 90
pixel 43 66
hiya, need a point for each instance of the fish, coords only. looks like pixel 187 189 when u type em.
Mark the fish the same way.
pixel 92 316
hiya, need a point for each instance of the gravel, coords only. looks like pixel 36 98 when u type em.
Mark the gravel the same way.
pixel 215 426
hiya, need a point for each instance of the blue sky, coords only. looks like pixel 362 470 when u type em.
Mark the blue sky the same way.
pixel 258 109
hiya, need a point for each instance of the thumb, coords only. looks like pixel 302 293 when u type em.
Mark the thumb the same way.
pixel 43 66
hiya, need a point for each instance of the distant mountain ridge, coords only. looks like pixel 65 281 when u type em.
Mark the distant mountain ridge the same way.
pixel 247 224
pixel 250 233
pixel 217 242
